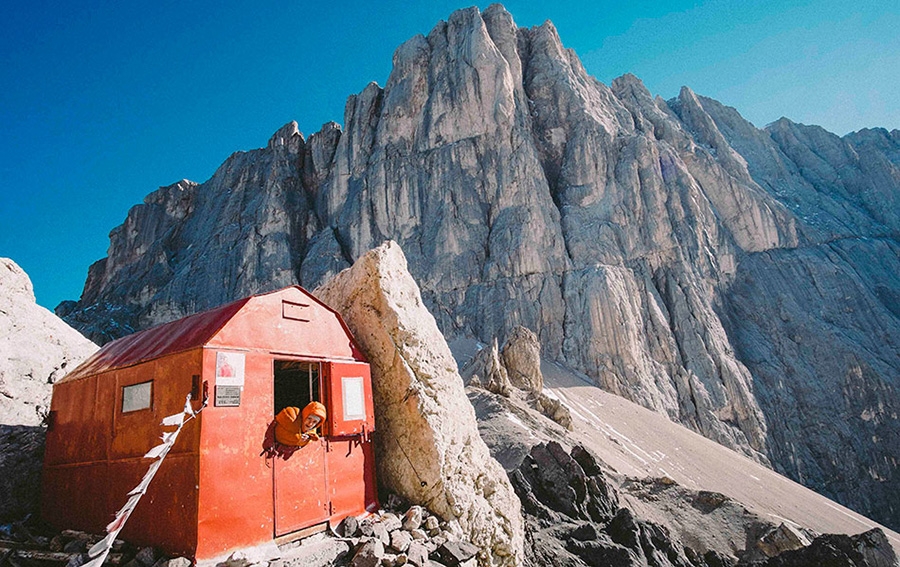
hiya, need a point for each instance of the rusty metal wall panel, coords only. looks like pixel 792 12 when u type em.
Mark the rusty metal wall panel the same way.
pixel 82 422
pixel 301 498
pixel 236 505
pixel 171 378
pixel 166 516
pixel 310 329
pixel 94 454
pixel 351 476
pixel 75 496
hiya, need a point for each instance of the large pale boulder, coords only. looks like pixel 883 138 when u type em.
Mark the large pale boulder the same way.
pixel 427 444
pixel 36 349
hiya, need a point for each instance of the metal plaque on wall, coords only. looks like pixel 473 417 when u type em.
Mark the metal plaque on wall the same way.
pixel 228 396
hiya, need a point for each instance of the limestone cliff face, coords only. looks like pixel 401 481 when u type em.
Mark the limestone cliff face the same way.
pixel 666 249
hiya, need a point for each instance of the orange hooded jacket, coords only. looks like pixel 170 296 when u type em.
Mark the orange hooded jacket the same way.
pixel 288 427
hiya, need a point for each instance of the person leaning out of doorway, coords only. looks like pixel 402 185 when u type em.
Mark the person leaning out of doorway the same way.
pixel 293 429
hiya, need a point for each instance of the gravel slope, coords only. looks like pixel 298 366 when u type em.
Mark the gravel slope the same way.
pixel 637 442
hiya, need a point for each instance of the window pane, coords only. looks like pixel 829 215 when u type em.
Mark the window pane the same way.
pixel 137 396
pixel 354 399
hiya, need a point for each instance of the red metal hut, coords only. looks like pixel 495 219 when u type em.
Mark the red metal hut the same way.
pixel 214 492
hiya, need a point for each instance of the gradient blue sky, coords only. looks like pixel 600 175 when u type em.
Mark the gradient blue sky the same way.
pixel 102 103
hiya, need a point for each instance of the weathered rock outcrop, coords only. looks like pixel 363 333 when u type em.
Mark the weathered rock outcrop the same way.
pixel 522 359
pixel 428 444
pixel 869 549
pixel 487 370
pixel 36 349
pixel 574 517
pixel 669 250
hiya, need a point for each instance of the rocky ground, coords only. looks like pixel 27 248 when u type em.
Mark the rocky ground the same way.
pixel 537 467
pixel 400 534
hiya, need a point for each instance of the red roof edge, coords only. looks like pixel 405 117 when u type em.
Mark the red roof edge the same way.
pixel 168 338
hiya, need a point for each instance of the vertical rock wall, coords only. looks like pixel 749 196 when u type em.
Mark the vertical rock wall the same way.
pixel 640 239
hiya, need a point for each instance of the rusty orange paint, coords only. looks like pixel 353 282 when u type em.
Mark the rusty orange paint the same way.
pixel 214 493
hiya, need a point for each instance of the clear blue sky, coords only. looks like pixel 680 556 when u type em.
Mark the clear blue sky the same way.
pixel 103 102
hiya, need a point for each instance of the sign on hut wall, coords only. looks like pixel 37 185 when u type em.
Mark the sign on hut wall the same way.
pixel 229 378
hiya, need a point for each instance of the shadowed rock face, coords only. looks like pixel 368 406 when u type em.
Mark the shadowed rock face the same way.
pixel 742 281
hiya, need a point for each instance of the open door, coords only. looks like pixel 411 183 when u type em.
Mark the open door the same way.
pixel 351 453
pixel 301 498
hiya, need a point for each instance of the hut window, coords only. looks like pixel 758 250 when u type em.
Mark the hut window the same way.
pixel 137 396
pixel 296 384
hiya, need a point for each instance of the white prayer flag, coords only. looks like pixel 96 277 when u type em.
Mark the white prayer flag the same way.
pixel 188 410
pixel 129 506
pixel 116 525
pixel 102 545
pixel 97 561
pixel 157 451
pixel 176 419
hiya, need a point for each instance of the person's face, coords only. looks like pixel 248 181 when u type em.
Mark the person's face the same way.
pixel 311 422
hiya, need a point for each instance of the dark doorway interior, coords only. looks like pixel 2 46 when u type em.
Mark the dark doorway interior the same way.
pixel 296 384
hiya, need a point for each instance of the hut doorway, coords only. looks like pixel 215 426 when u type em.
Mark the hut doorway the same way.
pixel 299 482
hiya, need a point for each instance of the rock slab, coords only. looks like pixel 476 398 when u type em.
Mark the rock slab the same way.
pixel 430 452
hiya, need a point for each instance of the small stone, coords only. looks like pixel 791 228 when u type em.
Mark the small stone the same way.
pixel 400 540
pixel 402 559
pixel 367 526
pixel 389 560
pixel 413 518
pixel 417 554
pixel 350 526
pixel 147 556
pixel 438 541
pixel 452 527
pixel 418 534
pixel 455 553
pixel 380 532
pixel 75 546
pixel 432 523
pixel 369 554
pixel 57 543
pixel 391 521
pixel 78 560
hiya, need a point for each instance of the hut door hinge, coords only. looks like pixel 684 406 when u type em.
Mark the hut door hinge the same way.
pixel 330 508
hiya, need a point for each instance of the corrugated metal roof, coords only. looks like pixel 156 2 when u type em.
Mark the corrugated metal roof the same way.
pixel 168 338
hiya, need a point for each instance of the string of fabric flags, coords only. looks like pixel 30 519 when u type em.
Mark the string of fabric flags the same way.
pixel 100 550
